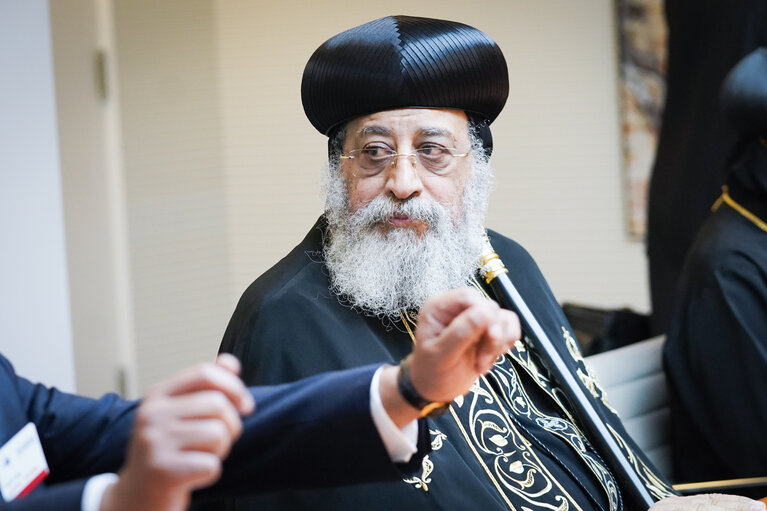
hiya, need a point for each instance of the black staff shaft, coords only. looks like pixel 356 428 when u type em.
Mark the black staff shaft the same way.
pixel 634 492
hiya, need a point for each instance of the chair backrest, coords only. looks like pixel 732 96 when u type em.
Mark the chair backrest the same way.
pixel 635 384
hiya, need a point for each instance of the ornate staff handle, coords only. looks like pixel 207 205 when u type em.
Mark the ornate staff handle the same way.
pixel 496 275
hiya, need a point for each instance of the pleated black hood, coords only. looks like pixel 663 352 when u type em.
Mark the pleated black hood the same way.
pixel 744 100
pixel 404 62
pixel 744 94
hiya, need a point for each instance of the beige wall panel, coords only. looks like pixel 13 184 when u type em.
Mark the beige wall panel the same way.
pixel 175 181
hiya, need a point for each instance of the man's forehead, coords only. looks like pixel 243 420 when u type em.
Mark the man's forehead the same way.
pixel 414 121
pixel 426 131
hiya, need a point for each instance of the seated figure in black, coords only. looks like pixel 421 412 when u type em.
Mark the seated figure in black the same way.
pixel 716 352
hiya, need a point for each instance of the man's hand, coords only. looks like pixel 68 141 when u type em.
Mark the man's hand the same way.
pixel 708 502
pixel 184 428
pixel 459 335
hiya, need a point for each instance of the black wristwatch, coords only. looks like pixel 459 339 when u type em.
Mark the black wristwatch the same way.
pixel 405 386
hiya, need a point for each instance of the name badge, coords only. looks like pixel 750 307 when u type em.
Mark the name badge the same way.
pixel 22 464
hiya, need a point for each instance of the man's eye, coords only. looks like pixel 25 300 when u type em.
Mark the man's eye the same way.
pixel 375 152
pixel 432 151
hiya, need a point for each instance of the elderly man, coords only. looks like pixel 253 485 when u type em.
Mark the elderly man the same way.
pixel 406 103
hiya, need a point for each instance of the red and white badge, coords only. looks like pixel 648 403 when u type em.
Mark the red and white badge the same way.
pixel 22 464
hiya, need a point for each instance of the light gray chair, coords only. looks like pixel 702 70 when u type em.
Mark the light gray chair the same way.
pixel 635 384
pixel 633 379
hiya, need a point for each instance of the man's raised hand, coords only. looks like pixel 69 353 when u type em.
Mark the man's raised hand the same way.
pixel 459 335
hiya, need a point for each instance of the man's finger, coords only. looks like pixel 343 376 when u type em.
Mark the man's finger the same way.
pixel 512 326
pixel 442 309
pixel 208 377
pixel 464 331
pixel 484 363
pixel 504 330
pixel 192 470
pixel 204 435
pixel 229 362
pixel 206 405
pixel 503 333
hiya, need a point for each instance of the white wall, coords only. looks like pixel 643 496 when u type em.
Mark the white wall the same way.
pixel 93 192
pixel 223 168
pixel 35 328
pixel 175 182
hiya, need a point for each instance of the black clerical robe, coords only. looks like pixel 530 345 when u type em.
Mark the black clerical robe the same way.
pixel 508 444
pixel 716 348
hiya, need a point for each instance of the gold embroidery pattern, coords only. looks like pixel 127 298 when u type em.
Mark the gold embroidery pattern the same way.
pixel 654 484
pixel 422 482
pixel 584 372
pixel 427 466
pixel 521 356
pixel 436 442
pixel 521 405
pixel 511 461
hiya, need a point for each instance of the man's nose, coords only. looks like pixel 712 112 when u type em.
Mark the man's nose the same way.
pixel 403 180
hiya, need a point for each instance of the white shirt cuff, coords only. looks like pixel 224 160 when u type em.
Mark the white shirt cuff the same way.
pixel 401 444
pixel 94 491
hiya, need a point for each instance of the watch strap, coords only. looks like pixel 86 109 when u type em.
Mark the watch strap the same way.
pixel 410 394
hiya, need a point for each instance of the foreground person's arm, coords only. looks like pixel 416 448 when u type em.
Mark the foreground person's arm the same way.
pixel 317 431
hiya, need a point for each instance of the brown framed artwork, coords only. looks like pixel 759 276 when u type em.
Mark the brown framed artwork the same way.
pixel 642 43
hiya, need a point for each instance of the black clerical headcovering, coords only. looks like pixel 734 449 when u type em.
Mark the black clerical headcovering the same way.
pixel 744 94
pixel 744 102
pixel 405 62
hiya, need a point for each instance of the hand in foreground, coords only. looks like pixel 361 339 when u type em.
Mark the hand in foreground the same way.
pixel 708 502
pixel 460 334
pixel 184 427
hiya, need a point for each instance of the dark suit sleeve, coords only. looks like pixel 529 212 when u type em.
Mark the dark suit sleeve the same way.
pixel 314 432
pixel 80 436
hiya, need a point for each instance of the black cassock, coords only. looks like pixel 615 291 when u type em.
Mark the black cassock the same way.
pixel 508 444
pixel 716 349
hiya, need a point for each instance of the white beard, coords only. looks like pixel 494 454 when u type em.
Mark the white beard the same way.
pixel 381 271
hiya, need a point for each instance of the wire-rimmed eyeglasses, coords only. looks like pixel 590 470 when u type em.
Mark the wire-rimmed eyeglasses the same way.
pixel 372 160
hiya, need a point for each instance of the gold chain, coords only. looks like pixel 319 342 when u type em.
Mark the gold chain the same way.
pixel 725 197
pixel 404 317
